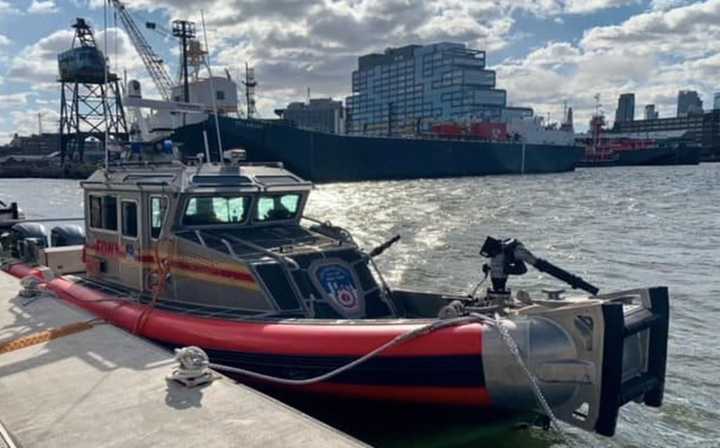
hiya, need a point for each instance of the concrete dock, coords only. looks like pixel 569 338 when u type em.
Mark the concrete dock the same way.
pixel 103 387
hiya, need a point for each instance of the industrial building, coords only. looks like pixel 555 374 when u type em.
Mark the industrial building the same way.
pixel 36 144
pixel 703 129
pixel 626 108
pixel 689 103
pixel 321 114
pixel 394 92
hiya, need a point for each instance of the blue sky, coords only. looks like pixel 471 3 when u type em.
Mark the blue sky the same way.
pixel 545 51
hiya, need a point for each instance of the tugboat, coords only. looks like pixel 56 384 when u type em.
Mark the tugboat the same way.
pixel 222 257
pixel 603 149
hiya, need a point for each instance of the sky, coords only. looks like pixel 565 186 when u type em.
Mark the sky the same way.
pixel 545 52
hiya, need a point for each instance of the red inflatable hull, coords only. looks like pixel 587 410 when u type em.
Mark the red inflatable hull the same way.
pixel 442 368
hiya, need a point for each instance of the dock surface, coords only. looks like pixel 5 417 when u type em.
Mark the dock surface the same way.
pixel 103 387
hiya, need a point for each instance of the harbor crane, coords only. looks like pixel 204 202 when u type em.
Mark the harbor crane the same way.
pixel 153 62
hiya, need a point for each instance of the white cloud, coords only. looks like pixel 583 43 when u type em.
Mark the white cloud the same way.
pixel 4 45
pixel 25 122
pixel 14 100
pixel 557 7
pixel 663 5
pixel 43 7
pixel 295 44
pixel 589 6
pixel 7 8
pixel 653 54
pixel 689 31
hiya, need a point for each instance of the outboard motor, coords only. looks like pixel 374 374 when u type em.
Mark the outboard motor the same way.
pixel 67 235
pixel 26 239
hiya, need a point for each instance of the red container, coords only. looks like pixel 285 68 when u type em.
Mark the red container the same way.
pixel 489 131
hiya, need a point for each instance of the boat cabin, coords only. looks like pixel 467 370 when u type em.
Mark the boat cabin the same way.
pixel 224 239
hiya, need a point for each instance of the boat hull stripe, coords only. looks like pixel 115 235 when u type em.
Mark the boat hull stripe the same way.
pixel 417 371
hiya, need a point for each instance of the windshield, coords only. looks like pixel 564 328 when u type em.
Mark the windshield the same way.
pixel 278 207
pixel 213 210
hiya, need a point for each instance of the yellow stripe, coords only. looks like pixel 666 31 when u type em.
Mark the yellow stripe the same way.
pixel 45 336
pixel 210 278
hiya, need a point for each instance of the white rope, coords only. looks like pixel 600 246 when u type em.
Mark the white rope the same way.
pixel 413 334
pixel 400 339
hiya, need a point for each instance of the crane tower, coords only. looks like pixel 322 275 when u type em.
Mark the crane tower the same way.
pixel 90 103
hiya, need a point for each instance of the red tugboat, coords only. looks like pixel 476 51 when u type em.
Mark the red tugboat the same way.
pixel 603 149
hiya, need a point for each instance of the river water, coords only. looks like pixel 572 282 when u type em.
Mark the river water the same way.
pixel 616 227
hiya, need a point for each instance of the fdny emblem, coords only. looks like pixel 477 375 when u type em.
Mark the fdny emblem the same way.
pixel 339 286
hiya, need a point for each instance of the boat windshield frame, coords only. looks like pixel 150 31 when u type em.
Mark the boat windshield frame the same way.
pixel 247 212
pixel 250 218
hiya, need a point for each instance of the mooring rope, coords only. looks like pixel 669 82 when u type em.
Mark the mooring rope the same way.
pixel 195 354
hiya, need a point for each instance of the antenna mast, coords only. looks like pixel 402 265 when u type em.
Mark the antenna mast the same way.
pixel 250 85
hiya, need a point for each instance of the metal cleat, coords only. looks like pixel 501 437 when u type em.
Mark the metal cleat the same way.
pixel 193 370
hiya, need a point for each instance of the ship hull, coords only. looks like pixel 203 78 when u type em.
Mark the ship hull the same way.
pixel 676 155
pixel 322 157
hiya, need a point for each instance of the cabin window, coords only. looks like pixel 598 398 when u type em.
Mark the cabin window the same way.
pixel 96 212
pixel 103 212
pixel 220 95
pixel 210 210
pixel 158 207
pixel 129 219
pixel 109 213
pixel 278 207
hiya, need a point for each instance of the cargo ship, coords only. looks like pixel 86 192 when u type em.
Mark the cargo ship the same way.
pixel 326 157
pixel 187 117
pixel 605 150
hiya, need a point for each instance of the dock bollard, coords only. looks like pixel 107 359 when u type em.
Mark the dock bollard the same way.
pixel 193 369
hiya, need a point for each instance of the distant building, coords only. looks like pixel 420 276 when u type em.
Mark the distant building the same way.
pixel 322 114
pixel 703 129
pixel 689 103
pixel 626 108
pixel 393 93
pixel 651 113
pixel 716 101
pixel 37 144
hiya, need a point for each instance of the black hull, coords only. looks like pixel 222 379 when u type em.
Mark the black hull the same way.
pixel 322 157
pixel 675 155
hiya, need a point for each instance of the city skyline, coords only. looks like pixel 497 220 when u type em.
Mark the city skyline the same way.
pixel 544 51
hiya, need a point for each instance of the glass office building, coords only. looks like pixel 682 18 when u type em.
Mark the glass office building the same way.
pixel 394 93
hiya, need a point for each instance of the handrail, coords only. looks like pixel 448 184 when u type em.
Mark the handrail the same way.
pixel 18 221
pixel 230 249
pixel 200 238
pixel 286 262
pixel 281 258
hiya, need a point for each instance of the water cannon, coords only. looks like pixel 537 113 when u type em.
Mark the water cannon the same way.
pixel 509 257
pixel 384 246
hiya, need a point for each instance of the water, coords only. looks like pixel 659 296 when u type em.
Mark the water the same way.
pixel 616 227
